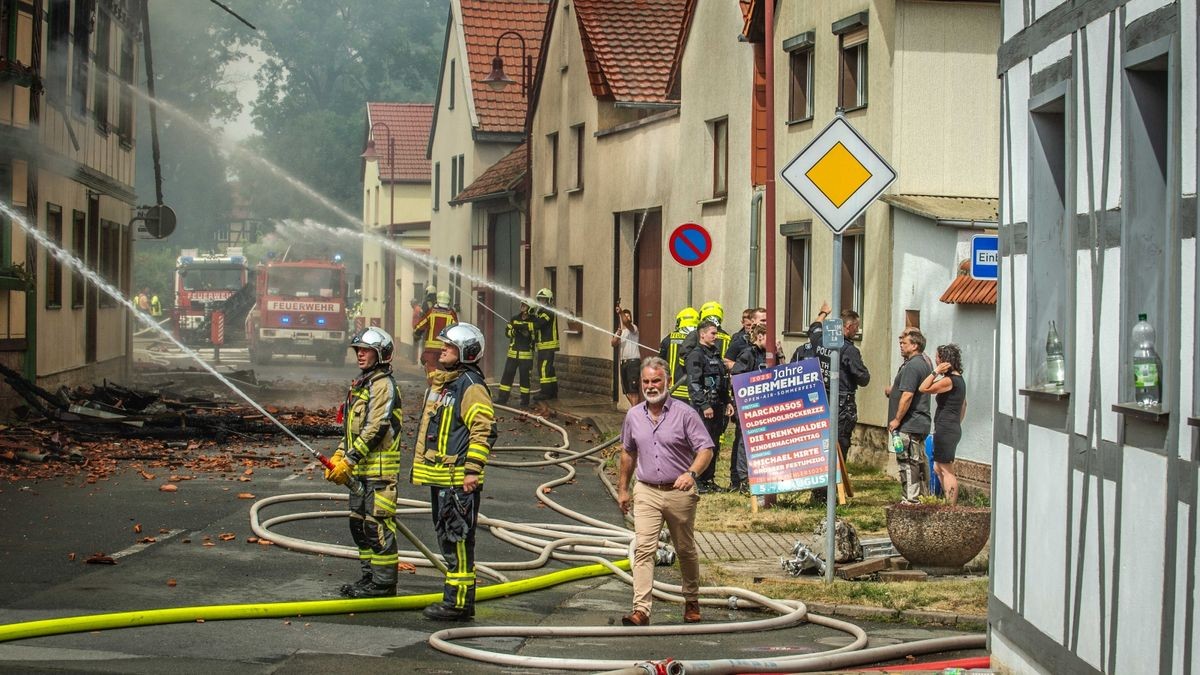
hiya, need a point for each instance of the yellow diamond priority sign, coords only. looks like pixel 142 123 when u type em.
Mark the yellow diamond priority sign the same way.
pixel 839 174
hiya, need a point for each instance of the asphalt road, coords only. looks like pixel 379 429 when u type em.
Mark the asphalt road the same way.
pixel 45 522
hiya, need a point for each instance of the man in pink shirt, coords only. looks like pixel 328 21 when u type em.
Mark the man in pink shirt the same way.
pixel 666 443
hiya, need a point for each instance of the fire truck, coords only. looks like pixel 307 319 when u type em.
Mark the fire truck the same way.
pixel 299 308
pixel 202 284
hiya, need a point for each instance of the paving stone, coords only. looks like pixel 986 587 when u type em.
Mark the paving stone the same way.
pixel 861 569
pixel 903 575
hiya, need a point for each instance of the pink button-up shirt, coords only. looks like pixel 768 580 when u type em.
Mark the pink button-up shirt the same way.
pixel 664 450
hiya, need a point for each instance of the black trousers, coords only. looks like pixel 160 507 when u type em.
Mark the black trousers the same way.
pixel 459 589
pixel 715 427
pixel 511 367
pixel 547 376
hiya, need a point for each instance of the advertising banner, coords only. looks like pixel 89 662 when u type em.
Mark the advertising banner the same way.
pixel 784 413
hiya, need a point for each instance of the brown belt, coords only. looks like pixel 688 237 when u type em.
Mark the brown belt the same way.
pixel 659 486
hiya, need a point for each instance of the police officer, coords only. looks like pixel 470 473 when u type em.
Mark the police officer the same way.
pixel 520 355
pixel 437 319
pixel 708 387
pixel 545 335
pixel 670 351
pixel 454 440
pixel 368 456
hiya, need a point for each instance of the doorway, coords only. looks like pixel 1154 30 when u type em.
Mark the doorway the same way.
pixel 503 267
pixel 647 280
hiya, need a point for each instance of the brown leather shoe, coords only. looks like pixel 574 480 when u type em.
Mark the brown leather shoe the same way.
pixel 691 611
pixel 637 618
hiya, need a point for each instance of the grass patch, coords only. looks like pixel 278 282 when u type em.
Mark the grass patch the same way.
pixel 797 512
pixel 961 595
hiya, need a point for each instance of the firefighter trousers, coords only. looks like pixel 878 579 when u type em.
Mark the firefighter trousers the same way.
pixel 373 527
pixel 459 589
pixel 513 366
pixel 547 377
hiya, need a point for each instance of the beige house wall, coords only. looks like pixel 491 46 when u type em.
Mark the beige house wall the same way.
pixel 410 202
pixel 927 114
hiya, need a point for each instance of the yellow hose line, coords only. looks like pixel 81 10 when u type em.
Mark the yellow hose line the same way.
pixel 154 617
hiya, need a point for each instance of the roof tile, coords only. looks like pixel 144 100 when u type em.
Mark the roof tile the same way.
pixel 631 46
pixel 965 290
pixel 484 21
pixel 498 179
pixel 410 122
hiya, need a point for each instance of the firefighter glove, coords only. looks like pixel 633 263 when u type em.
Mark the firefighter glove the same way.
pixel 340 473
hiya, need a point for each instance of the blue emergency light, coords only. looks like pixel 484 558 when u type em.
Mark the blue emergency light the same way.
pixel 285 319
pixel 320 321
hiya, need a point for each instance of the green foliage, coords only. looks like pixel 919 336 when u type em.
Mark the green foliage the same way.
pixel 155 269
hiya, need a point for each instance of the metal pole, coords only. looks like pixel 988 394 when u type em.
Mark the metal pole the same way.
pixel 835 368
pixel 689 302
pixel 769 230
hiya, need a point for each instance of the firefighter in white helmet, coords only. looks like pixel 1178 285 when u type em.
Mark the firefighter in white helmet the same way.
pixel 369 457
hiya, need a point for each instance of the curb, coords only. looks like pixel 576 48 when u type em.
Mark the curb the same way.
pixel 919 616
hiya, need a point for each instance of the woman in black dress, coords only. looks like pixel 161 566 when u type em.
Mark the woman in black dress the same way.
pixel 950 391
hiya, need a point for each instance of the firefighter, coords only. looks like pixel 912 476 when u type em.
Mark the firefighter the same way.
pixel 712 312
pixel 155 305
pixel 430 299
pixel 432 323
pixel 454 440
pixel 520 355
pixel 369 457
pixel 545 337
pixel 685 322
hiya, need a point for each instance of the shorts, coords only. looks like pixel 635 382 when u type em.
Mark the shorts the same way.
pixel 630 376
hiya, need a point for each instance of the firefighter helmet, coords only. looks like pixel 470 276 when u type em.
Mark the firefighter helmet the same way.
pixel 545 295
pixel 375 338
pixel 710 310
pixel 430 289
pixel 687 317
pixel 467 338
pixel 443 298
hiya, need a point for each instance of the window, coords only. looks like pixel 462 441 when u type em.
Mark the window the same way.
pixel 100 90
pixel 79 78
pixel 79 250
pixel 800 99
pixel 450 106
pixel 912 318
pixel 8 21
pixel 456 281
pixel 552 164
pixel 720 155
pixel 59 38
pixel 110 258
pixel 6 183
pixel 453 179
pixel 1048 253
pixel 437 185
pixel 552 280
pixel 577 305
pixel 852 90
pixel 852 270
pixel 799 266
pixel 54 230
pixel 462 175
pixel 577 140
pixel 125 100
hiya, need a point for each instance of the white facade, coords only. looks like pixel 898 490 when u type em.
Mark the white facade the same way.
pixel 1094 545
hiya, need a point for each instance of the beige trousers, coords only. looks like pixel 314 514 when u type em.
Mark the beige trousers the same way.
pixel 652 506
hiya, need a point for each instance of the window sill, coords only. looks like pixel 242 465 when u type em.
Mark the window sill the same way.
pixel 126 144
pixel 1130 409
pixel 1194 421
pixel 714 200
pixel 855 108
pixel 53 306
pixel 573 333
pixel 1046 393
pixel 575 190
pixel 802 120
pixel 550 195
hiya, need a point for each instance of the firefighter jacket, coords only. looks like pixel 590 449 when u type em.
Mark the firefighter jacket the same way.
pixel 519 332
pixel 371 426
pixel 708 381
pixel 432 324
pixel 545 333
pixel 456 431
pixel 671 352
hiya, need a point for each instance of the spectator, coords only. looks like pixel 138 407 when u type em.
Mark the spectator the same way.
pixel 750 359
pixel 947 385
pixel 908 415
pixel 677 448
pixel 630 357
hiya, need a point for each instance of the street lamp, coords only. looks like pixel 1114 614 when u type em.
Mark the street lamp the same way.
pixel 498 80
pixel 368 155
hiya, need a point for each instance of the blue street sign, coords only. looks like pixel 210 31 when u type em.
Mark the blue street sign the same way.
pixel 690 244
pixel 985 257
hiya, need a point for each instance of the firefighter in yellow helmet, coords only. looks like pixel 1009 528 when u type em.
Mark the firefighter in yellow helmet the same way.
pixel 685 322
pixel 545 338
pixel 368 456
pixel 454 441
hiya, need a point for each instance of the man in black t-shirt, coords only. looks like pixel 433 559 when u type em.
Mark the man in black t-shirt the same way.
pixel 908 414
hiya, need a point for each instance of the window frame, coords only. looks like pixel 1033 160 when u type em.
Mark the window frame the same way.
pixel 58 48
pixel 54 266
pixel 110 260
pixel 79 250
pixel 797 281
pixel 857 295
pixel 860 39
pixel 126 75
pixel 450 105
pixel 808 54
pixel 102 59
pixel 719 131
pixel 79 59
pixel 577 135
pixel 552 151
pixel 437 186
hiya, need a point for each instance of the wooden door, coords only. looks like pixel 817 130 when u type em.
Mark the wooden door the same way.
pixel 647 260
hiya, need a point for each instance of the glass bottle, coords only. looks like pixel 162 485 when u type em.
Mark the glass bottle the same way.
pixel 1056 369
pixel 1147 367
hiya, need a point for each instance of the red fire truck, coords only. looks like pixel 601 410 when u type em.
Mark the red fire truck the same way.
pixel 300 308
pixel 203 283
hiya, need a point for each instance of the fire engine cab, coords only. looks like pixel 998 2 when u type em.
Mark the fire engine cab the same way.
pixel 202 284
pixel 300 308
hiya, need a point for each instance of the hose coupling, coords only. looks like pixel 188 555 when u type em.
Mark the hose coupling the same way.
pixel 732 603
pixel 664 667
pixel 664 557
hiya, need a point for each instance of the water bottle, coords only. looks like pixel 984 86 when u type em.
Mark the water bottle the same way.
pixel 1056 371
pixel 897 443
pixel 1147 368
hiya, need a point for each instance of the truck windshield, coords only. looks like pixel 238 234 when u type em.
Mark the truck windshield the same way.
pixel 199 279
pixel 304 282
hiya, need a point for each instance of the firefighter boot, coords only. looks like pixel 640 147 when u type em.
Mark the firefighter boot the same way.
pixel 502 398
pixel 347 589
pixel 524 400
pixel 372 590
pixel 440 611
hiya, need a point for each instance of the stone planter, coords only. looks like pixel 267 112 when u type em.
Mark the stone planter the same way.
pixel 937 535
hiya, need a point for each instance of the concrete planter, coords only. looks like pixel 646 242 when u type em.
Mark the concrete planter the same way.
pixel 936 535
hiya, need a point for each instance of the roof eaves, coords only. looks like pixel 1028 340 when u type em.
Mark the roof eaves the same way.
pixel 437 99
pixel 689 12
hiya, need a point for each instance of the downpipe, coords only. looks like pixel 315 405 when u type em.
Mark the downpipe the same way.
pixel 755 227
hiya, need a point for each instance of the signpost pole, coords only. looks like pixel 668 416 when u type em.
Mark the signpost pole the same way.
pixel 689 302
pixel 835 368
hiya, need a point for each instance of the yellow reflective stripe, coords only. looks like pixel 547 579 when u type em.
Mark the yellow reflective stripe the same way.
pixel 386 560
pixel 380 500
pixel 478 451
pixel 440 475
pixel 444 432
pixel 476 409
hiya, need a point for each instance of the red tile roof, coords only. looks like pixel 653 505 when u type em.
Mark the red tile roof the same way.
pixel 965 290
pixel 410 122
pixel 631 46
pixel 483 21
pixel 500 178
